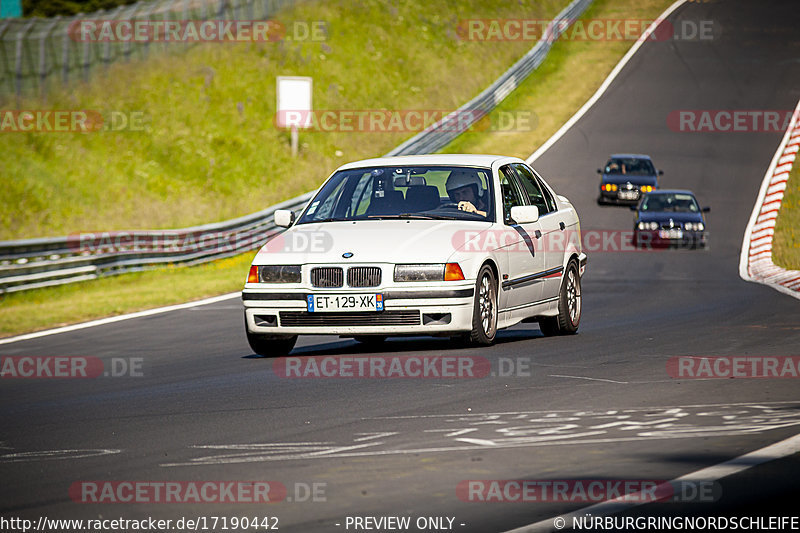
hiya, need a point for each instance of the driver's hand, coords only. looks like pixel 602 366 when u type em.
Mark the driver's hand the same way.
pixel 464 205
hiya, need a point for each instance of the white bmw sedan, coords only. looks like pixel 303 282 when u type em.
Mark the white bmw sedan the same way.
pixel 444 245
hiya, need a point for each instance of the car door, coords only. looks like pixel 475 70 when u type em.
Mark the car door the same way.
pixel 553 226
pixel 521 284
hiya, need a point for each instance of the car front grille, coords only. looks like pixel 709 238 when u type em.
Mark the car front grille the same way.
pixel 366 318
pixel 363 276
pixel 327 277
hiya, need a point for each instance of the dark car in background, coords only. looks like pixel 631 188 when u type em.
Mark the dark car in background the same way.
pixel 669 218
pixel 626 178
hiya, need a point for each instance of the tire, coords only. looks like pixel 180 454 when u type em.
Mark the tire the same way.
pixel 484 311
pixel 370 340
pixel 271 345
pixel 569 305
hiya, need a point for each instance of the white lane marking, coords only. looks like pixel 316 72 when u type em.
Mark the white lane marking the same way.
pixel 778 450
pixel 370 436
pixel 589 379
pixel 651 408
pixel 54 455
pixel 119 318
pixel 450 432
pixel 602 89
pixel 523 430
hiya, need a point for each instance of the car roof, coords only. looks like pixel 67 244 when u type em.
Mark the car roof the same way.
pixel 629 156
pixel 473 160
pixel 671 191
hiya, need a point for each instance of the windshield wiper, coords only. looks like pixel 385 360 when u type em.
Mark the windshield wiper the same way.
pixel 412 216
pixel 329 219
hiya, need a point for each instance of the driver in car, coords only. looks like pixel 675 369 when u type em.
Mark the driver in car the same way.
pixel 464 187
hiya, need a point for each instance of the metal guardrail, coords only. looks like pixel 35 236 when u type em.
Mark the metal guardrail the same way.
pixel 37 50
pixel 34 263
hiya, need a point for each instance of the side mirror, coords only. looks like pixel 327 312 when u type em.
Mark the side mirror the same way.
pixel 660 172
pixel 599 171
pixel 634 207
pixel 283 218
pixel 525 214
pixel 706 209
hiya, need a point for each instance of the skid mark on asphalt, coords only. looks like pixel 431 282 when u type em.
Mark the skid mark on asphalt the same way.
pixel 52 455
pixel 475 431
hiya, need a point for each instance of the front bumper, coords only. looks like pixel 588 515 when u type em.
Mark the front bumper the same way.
pixel 652 239
pixel 612 197
pixel 407 311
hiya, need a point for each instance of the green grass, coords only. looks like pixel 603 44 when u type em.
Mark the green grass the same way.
pixel 210 151
pixel 786 243
pixel 572 72
pixel 78 302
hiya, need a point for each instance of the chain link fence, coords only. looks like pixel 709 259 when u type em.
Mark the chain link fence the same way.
pixel 37 52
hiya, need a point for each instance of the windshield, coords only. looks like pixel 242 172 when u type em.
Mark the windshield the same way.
pixel 680 203
pixel 420 192
pixel 630 165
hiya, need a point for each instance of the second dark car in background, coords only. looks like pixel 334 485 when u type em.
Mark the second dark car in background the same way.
pixel 626 178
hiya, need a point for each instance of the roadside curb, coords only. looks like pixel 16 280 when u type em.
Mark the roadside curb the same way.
pixel 755 260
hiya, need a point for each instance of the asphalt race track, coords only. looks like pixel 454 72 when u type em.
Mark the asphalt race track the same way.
pixel 598 405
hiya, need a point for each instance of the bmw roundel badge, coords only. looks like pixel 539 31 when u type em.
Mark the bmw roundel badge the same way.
pixel 347 255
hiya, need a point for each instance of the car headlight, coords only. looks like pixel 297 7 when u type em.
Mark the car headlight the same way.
pixel 699 226
pixel 653 225
pixel 279 273
pixel 647 188
pixel 691 226
pixel 428 272
pixel 642 225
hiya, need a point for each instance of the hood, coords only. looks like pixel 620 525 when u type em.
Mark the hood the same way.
pixel 370 241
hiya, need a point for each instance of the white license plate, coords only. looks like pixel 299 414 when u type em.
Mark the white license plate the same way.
pixel 628 195
pixel 671 234
pixel 340 303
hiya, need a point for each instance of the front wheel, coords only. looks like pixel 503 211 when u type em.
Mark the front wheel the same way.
pixel 271 345
pixel 569 305
pixel 484 314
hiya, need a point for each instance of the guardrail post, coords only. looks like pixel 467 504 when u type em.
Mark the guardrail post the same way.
pixel 6 74
pixel 18 57
pixel 43 70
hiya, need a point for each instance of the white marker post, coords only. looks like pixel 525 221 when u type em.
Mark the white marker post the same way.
pixel 294 105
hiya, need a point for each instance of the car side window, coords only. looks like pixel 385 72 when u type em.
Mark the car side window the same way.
pixel 548 195
pixel 510 192
pixel 532 188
